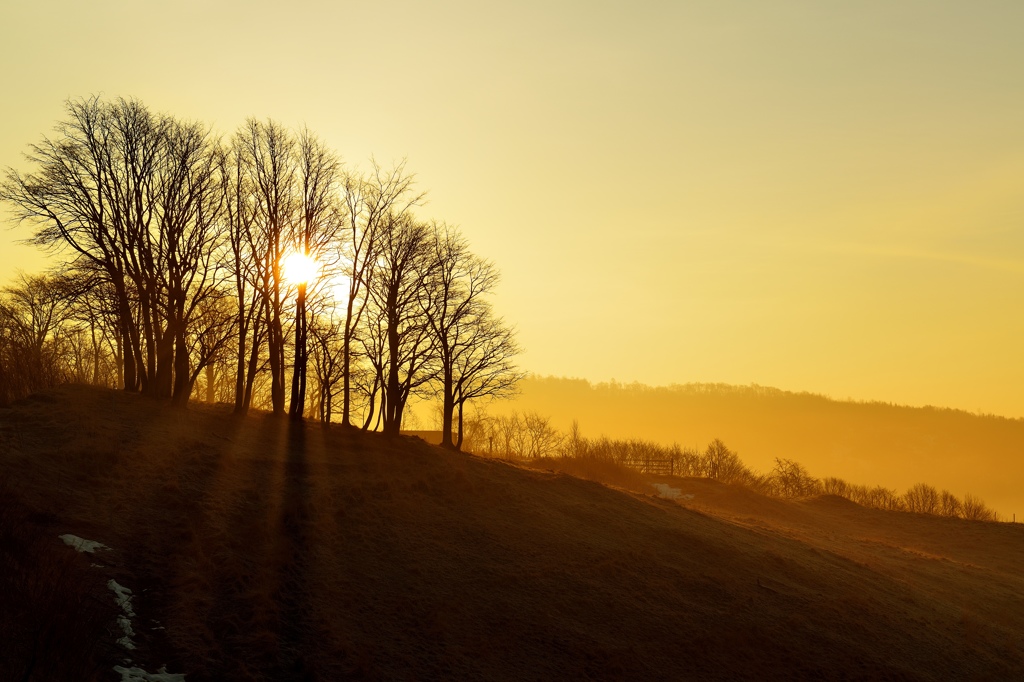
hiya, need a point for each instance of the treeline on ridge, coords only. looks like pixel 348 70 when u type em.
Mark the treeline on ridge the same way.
pixel 176 247
pixel 530 436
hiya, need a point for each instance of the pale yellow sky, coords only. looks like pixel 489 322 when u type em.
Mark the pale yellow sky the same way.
pixel 817 195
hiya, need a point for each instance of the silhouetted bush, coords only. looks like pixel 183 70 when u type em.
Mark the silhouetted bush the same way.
pixel 32 314
pixel 972 508
pixel 835 486
pixel 922 498
pixel 791 479
pixel 949 505
pixel 514 436
pixel 722 464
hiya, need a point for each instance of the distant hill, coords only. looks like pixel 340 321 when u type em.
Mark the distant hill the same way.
pixel 863 442
pixel 263 549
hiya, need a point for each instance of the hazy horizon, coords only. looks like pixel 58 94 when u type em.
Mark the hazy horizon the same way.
pixel 867 443
pixel 815 198
pixel 623 384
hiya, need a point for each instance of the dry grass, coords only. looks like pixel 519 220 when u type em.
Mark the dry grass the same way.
pixel 51 610
pixel 275 551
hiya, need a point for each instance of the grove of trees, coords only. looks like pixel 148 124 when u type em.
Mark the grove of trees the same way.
pixel 531 436
pixel 180 253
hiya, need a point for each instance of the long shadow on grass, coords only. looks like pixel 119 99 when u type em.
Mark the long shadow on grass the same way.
pixel 293 552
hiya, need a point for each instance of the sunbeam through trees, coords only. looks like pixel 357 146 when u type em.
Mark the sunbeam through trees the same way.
pixel 179 275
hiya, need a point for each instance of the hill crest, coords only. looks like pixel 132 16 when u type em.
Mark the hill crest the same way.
pixel 273 550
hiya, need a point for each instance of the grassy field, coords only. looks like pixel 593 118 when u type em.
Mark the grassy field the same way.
pixel 258 549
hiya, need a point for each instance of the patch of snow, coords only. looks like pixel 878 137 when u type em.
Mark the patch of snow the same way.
pixel 668 492
pixel 123 596
pixel 81 544
pixel 140 675
pixel 126 627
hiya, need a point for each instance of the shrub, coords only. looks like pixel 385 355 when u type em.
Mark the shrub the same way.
pixel 922 498
pixel 835 486
pixel 949 505
pixel 790 479
pixel 974 509
pixel 722 464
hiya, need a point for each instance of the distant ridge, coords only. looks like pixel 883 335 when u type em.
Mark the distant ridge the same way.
pixel 871 442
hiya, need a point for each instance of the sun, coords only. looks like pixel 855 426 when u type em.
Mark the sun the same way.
pixel 299 268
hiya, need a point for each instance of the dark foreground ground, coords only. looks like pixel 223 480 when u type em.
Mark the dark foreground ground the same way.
pixel 262 550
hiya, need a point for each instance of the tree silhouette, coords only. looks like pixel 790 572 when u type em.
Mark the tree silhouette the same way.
pixel 370 201
pixel 404 262
pixel 132 194
pixel 313 237
pixel 174 242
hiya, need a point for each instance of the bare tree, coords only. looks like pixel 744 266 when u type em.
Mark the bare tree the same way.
pixel 326 347
pixel 835 486
pixel 169 228
pixel 485 367
pixel 790 479
pixel 511 435
pixel 574 444
pixel 949 504
pixel 208 343
pixel 474 348
pixel 93 305
pixel 246 243
pixel 133 195
pixel 189 190
pixel 371 202
pixel 922 498
pixel 267 160
pixel 312 236
pixel 373 339
pixel 31 312
pixel 722 464
pixel 974 509
pixel 542 440
pixel 403 264
pixel 90 193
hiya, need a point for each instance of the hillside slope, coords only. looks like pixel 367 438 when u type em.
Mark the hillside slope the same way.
pixel 259 549
pixel 868 443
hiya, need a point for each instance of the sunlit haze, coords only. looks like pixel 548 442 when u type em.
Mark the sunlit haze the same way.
pixel 822 197
pixel 298 268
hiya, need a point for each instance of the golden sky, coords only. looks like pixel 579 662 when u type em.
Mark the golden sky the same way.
pixel 814 195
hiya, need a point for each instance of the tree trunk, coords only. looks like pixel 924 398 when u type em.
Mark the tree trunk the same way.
pixel 276 346
pixel 346 361
pixel 182 375
pixel 125 322
pixel 211 386
pixel 243 331
pixel 458 442
pixel 163 387
pixel 298 398
pixel 393 403
pixel 447 409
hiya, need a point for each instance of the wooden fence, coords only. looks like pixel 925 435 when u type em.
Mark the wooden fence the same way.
pixel 651 465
